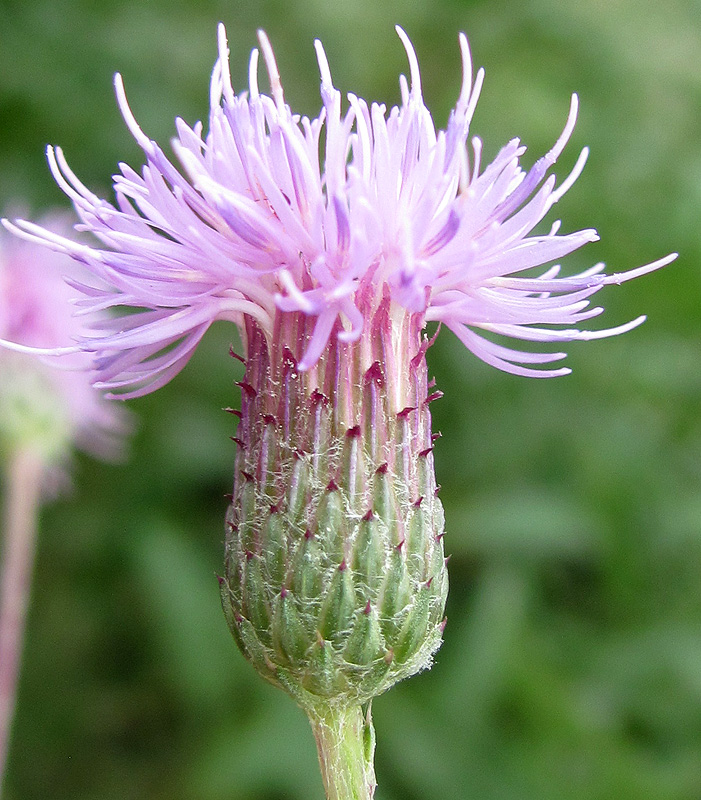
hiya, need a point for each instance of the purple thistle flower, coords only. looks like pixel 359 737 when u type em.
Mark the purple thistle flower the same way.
pixel 330 243
pixel 275 213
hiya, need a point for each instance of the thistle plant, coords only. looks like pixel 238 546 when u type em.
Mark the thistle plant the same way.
pixel 330 243
pixel 44 413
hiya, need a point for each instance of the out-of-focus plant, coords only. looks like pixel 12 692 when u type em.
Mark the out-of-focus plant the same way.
pixel 46 410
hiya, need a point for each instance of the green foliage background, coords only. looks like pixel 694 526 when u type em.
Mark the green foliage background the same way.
pixel 572 662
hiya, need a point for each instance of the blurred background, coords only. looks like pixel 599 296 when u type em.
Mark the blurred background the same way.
pixel 571 667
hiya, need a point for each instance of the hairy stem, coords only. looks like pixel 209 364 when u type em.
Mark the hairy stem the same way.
pixel 345 740
pixel 23 477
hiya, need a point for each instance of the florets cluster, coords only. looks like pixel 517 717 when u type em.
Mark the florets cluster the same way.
pixel 270 211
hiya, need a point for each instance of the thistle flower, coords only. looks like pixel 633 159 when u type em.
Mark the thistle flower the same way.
pixel 330 243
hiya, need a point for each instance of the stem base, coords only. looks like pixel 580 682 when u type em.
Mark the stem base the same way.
pixel 345 740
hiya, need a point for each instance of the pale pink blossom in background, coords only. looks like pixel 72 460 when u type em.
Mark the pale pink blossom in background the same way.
pixel 47 407
pixel 36 310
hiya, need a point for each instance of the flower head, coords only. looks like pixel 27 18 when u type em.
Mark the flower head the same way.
pixel 41 406
pixel 270 212
pixel 330 242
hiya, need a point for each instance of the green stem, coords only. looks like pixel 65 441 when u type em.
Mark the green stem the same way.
pixel 345 740
pixel 21 507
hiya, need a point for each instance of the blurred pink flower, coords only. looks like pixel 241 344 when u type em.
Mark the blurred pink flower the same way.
pixel 47 406
pixel 49 399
